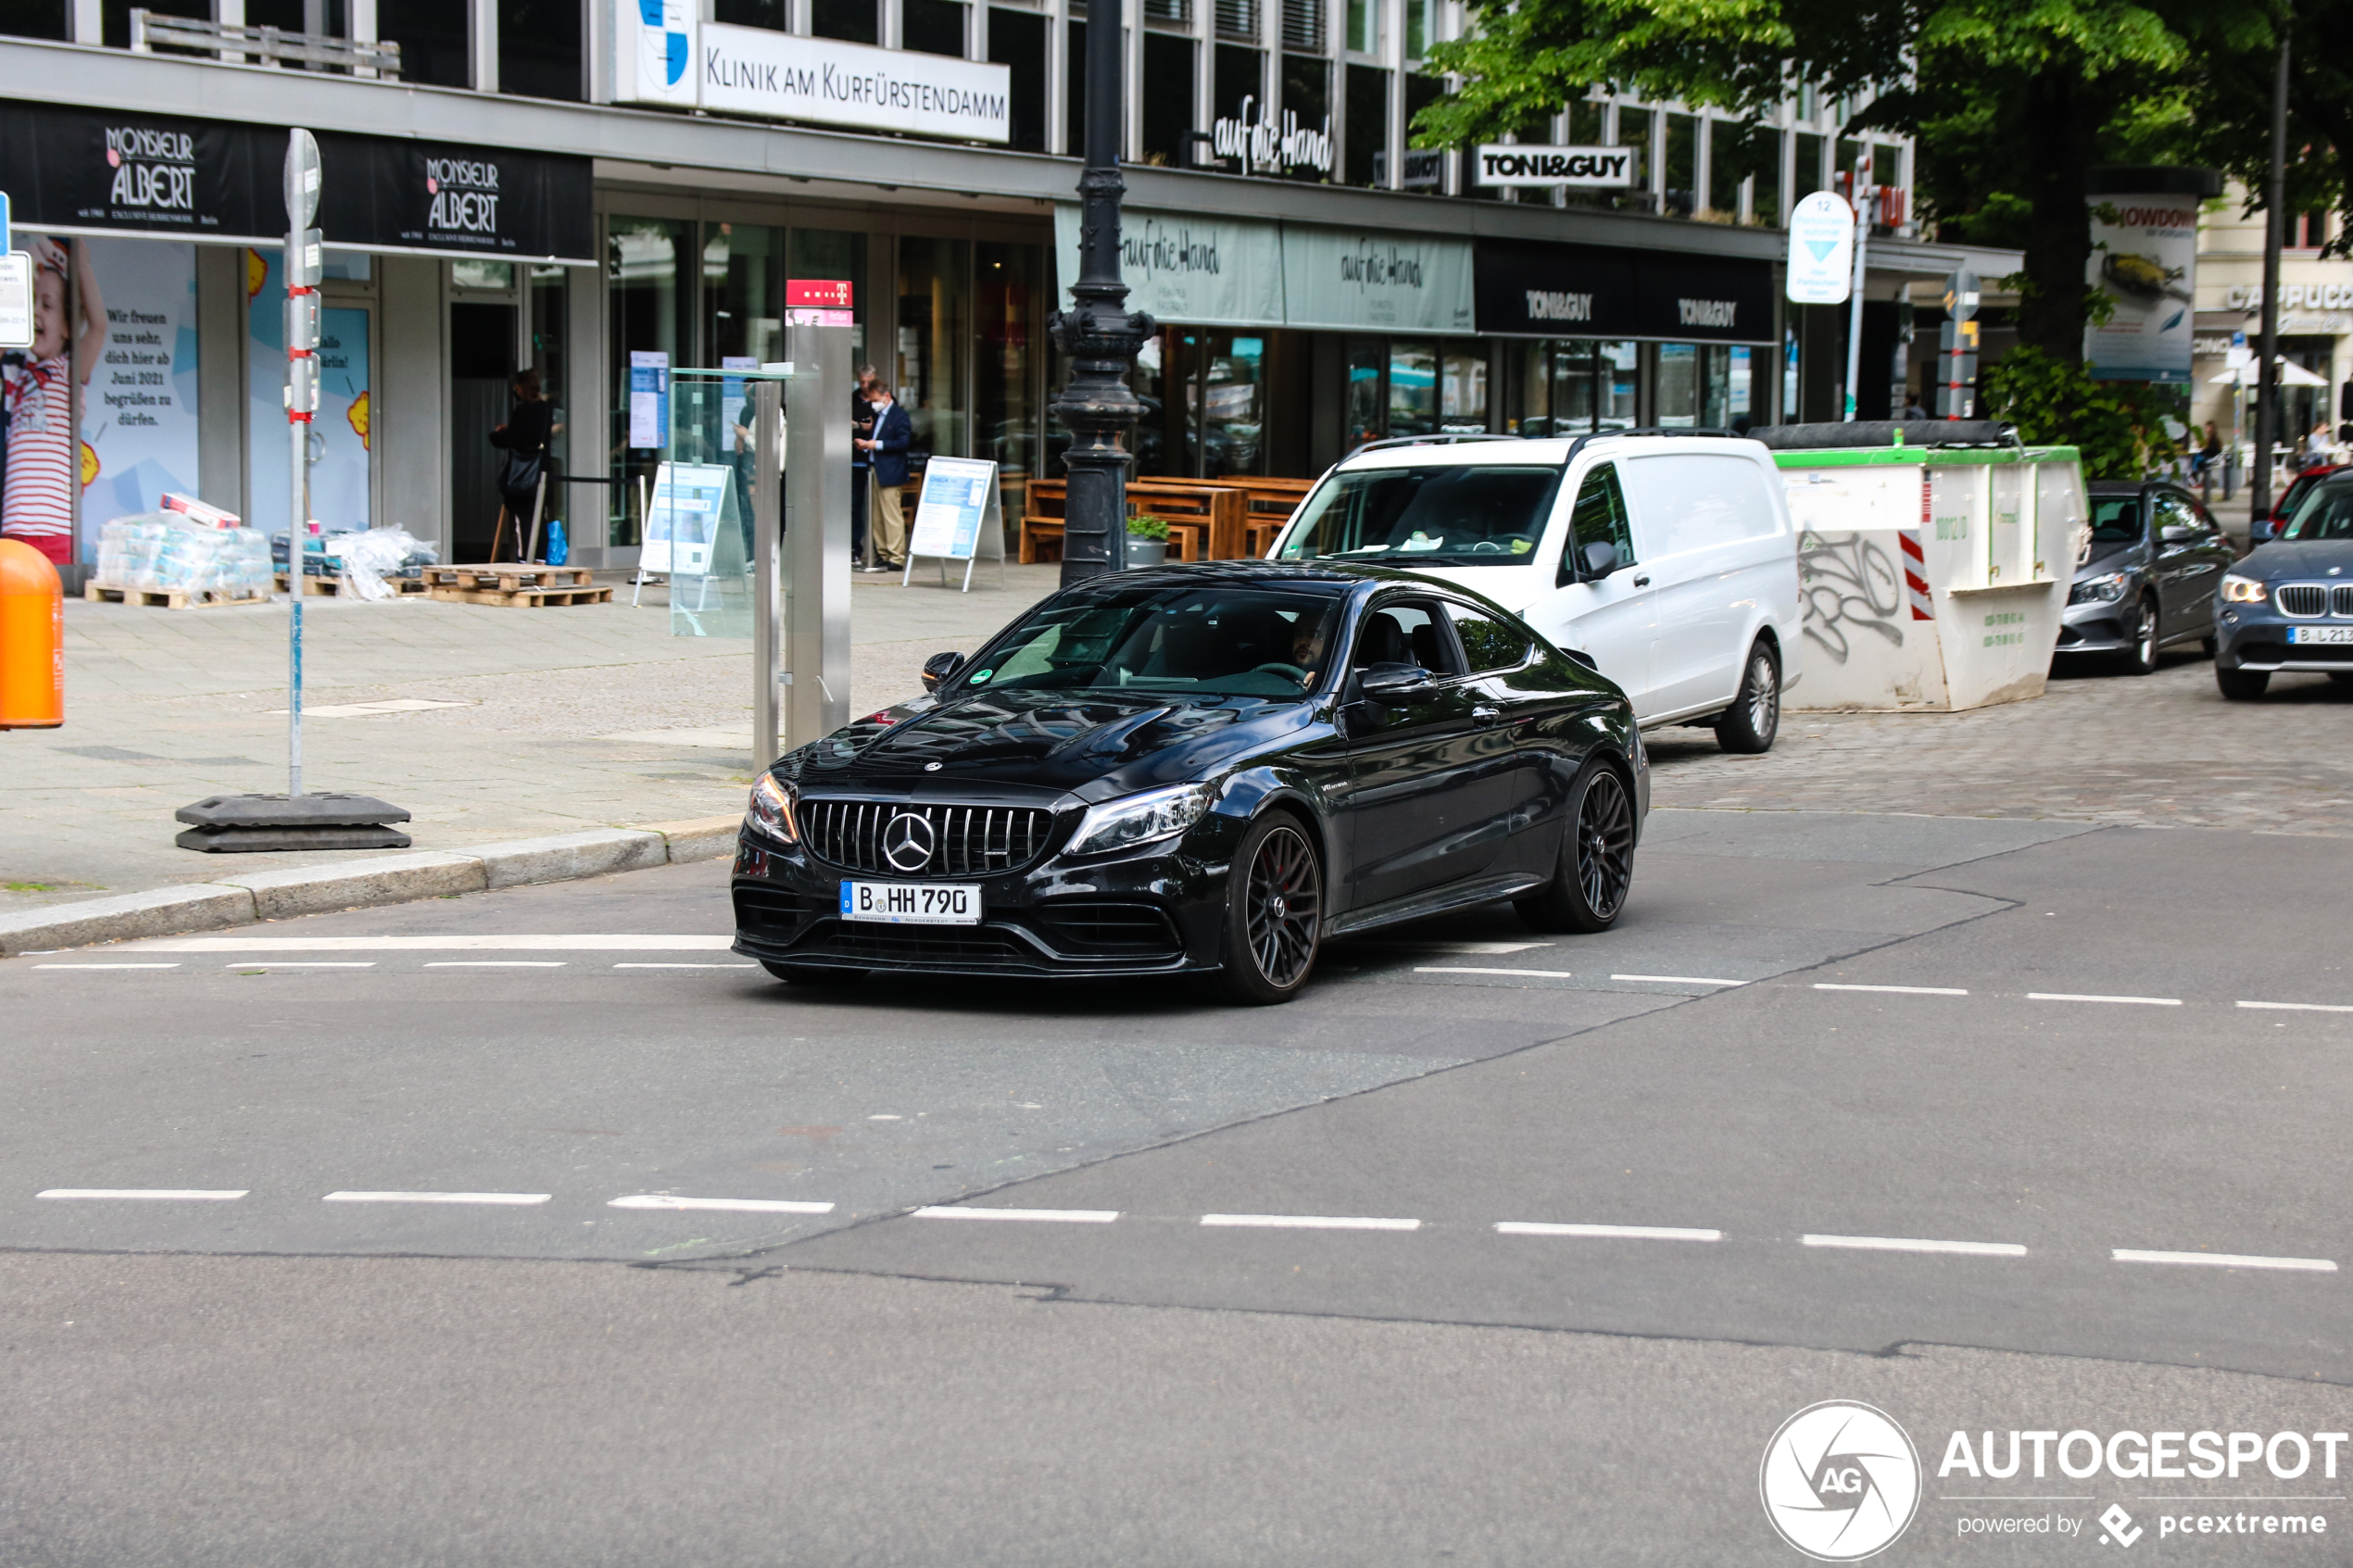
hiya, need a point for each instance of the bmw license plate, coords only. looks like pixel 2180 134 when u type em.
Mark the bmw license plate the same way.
pixel 2320 634
pixel 912 903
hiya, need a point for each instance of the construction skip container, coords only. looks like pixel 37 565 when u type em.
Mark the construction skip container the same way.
pixel 1933 559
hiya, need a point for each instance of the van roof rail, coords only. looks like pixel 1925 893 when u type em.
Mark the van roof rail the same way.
pixel 1443 438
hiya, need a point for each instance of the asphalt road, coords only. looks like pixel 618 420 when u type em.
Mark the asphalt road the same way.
pixel 533 1227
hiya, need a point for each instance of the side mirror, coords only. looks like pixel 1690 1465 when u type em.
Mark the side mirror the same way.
pixel 938 667
pixel 1394 683
pixel 2176 533
pixel 1601 558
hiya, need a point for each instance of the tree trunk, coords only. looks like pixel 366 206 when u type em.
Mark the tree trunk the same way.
pixel 2063 118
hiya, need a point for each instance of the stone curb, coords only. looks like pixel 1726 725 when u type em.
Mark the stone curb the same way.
pixel 352 885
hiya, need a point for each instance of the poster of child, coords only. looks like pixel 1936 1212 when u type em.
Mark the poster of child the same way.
pixel 36 401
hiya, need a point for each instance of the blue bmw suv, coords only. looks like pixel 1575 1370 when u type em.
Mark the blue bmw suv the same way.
pixel 2289 605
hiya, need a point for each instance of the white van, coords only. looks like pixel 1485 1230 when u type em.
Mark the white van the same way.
pixel 1667 561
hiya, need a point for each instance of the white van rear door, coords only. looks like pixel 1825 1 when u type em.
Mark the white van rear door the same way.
pixel 1713 539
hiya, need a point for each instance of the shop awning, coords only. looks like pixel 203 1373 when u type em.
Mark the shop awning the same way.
pixel 2291 375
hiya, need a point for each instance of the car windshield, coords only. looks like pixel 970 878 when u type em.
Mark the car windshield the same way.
pixel 1477 514
pixel 2327 513
pixel 2116 520
pixel 1208 642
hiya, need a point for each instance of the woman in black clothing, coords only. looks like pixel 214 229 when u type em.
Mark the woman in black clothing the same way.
pixel 524 439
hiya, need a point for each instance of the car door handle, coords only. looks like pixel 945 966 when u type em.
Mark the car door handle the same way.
pixel 1483 714
pixel 1641 581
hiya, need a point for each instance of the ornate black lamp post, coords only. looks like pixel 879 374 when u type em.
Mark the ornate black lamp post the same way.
pixel 1098 333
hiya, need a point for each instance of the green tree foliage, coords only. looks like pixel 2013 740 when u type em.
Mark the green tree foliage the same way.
pixel 2117 426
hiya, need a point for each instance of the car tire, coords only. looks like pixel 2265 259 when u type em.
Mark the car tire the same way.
pixel 812 974
pixel 2342 677
pixel 1595 870
pixel 2140 658
pixel 1274 914
pixel 2242 686
pixel 2209 646
pixel 1747 728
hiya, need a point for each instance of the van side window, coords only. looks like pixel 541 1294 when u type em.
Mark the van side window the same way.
pixel 1599 517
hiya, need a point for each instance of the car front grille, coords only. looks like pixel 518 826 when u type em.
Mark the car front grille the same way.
pixel 962 946
pixel 2303 598
pixel 963 840
pixel 766 907
pixel 2344 599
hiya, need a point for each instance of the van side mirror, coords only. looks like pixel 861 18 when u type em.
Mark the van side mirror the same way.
pixel 1601 558
pixel 938 667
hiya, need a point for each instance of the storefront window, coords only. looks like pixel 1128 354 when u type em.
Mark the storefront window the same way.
pixel 1462 393
pixel 1168 97
pixel 1620 386
pixel 743 293
pixel 539 49
pixel 1017 41
pixel 550 302
pixel 651 328
pixel 1233 404
pixel 1363 409
pixel 1679 384
pixel 1010 286
pixel 933 330
pixel 1368 125
pixel 434 39
pixel 1413 389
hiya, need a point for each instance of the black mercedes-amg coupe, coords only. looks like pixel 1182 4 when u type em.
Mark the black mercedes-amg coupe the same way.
pixel 1200 770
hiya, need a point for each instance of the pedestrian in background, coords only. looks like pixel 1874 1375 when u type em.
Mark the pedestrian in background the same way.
pixel 524 439
pixel 887 449
pixel 862 426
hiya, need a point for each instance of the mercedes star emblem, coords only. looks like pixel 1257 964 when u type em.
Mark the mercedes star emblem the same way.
pixel 907 842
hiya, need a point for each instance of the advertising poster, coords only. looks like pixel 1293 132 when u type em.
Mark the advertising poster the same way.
pixel 139 435
pixel 341 438
pixel 37 473
pixel 2144 261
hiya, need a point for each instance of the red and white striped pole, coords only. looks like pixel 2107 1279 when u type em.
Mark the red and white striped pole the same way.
pixel 302 267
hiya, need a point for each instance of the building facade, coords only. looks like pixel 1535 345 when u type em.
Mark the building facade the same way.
pixel 609 194
pixel 2316 323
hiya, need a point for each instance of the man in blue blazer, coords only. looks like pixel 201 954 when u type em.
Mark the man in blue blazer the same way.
pixel 887 450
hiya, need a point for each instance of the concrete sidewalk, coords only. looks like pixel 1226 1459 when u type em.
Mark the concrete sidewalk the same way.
pixel 543 722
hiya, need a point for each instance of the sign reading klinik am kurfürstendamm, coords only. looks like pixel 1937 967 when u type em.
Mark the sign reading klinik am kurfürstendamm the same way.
pixel 667 56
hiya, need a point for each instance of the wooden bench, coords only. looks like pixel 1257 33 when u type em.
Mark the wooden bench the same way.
pixel 1271 504
pixel 1205 521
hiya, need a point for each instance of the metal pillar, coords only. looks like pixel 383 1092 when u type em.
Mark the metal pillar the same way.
pixel 2266 383
pixel 1098 333
pixel 767 503
pixel 817 534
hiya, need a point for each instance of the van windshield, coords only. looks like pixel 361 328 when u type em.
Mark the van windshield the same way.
pixel 1475 514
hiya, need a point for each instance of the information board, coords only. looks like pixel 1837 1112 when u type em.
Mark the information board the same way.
pixel 959 516
pixel 689 502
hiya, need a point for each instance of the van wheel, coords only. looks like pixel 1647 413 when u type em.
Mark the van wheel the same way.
pixel 1749 725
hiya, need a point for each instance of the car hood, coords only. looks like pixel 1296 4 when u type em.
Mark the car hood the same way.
pixel 2299 557
pixel 2107 557
pixel 1055 742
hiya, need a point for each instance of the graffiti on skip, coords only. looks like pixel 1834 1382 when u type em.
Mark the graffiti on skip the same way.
pixel 1848 582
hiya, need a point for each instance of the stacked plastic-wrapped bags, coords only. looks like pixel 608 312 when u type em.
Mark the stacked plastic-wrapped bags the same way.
pixel 371 557
pixel 165 550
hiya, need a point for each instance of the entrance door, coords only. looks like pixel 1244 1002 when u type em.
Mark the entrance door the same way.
pixel 482 358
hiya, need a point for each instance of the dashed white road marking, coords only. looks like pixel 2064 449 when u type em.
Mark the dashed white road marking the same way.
pixel 160 1195
pixel 1679 979
pixel 1462 949
pixel 589 943
pixel 497 963
pixel 106 966
pixel 1472 969
pixel 666 1201
pixel 1609 1232
pixel 1899 990
pixel 2224 1260
pixel 1056 1216
pixel 2126 1001
pixel 1913 1243
pixel 300 963
pixel 1312 1222
pixel 685 966
pixel 2297 1007
pixel 514 1199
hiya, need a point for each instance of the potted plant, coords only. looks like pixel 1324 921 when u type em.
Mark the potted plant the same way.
pixel 1146 541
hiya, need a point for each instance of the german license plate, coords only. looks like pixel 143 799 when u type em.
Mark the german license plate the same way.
pixel 912 903
pixel 2320 634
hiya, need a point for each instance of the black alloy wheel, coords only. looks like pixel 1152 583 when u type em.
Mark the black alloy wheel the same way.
pixel 1274 914
pixel 2142 659
pixel 1596 869
pixel 1747 728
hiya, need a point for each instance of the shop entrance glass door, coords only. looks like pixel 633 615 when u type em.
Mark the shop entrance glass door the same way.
pixel 482 358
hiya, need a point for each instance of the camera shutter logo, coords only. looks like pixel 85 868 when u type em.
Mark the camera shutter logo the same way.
pixel 907 842
pixel 1840 1481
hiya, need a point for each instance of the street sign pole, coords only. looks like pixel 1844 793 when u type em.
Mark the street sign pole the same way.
pixel 1957 346
pixel 302 265
pixel 1864 191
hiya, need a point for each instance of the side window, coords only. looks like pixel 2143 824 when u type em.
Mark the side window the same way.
pixel 1488 644
pixel 2174 511
pixel 1406 632
pixel 1699 501
pixel 1599 517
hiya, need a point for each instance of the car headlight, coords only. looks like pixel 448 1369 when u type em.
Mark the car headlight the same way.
pixel 2237 590
pixel 771 808
pixel 2098 590
pixel 1139 819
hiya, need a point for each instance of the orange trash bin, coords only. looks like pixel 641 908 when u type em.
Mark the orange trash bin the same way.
pixel 33 640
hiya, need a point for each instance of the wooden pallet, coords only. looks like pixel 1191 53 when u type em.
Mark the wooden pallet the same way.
pixel 168 598
pixel 508 584
pixel 337 587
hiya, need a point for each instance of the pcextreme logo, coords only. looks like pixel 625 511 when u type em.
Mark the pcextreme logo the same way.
pixel 1840 1481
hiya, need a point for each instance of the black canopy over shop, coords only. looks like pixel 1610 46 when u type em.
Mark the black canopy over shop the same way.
pixel 1525 289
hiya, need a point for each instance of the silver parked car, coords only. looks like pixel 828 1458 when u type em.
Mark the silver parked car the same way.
pixel 2148 581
